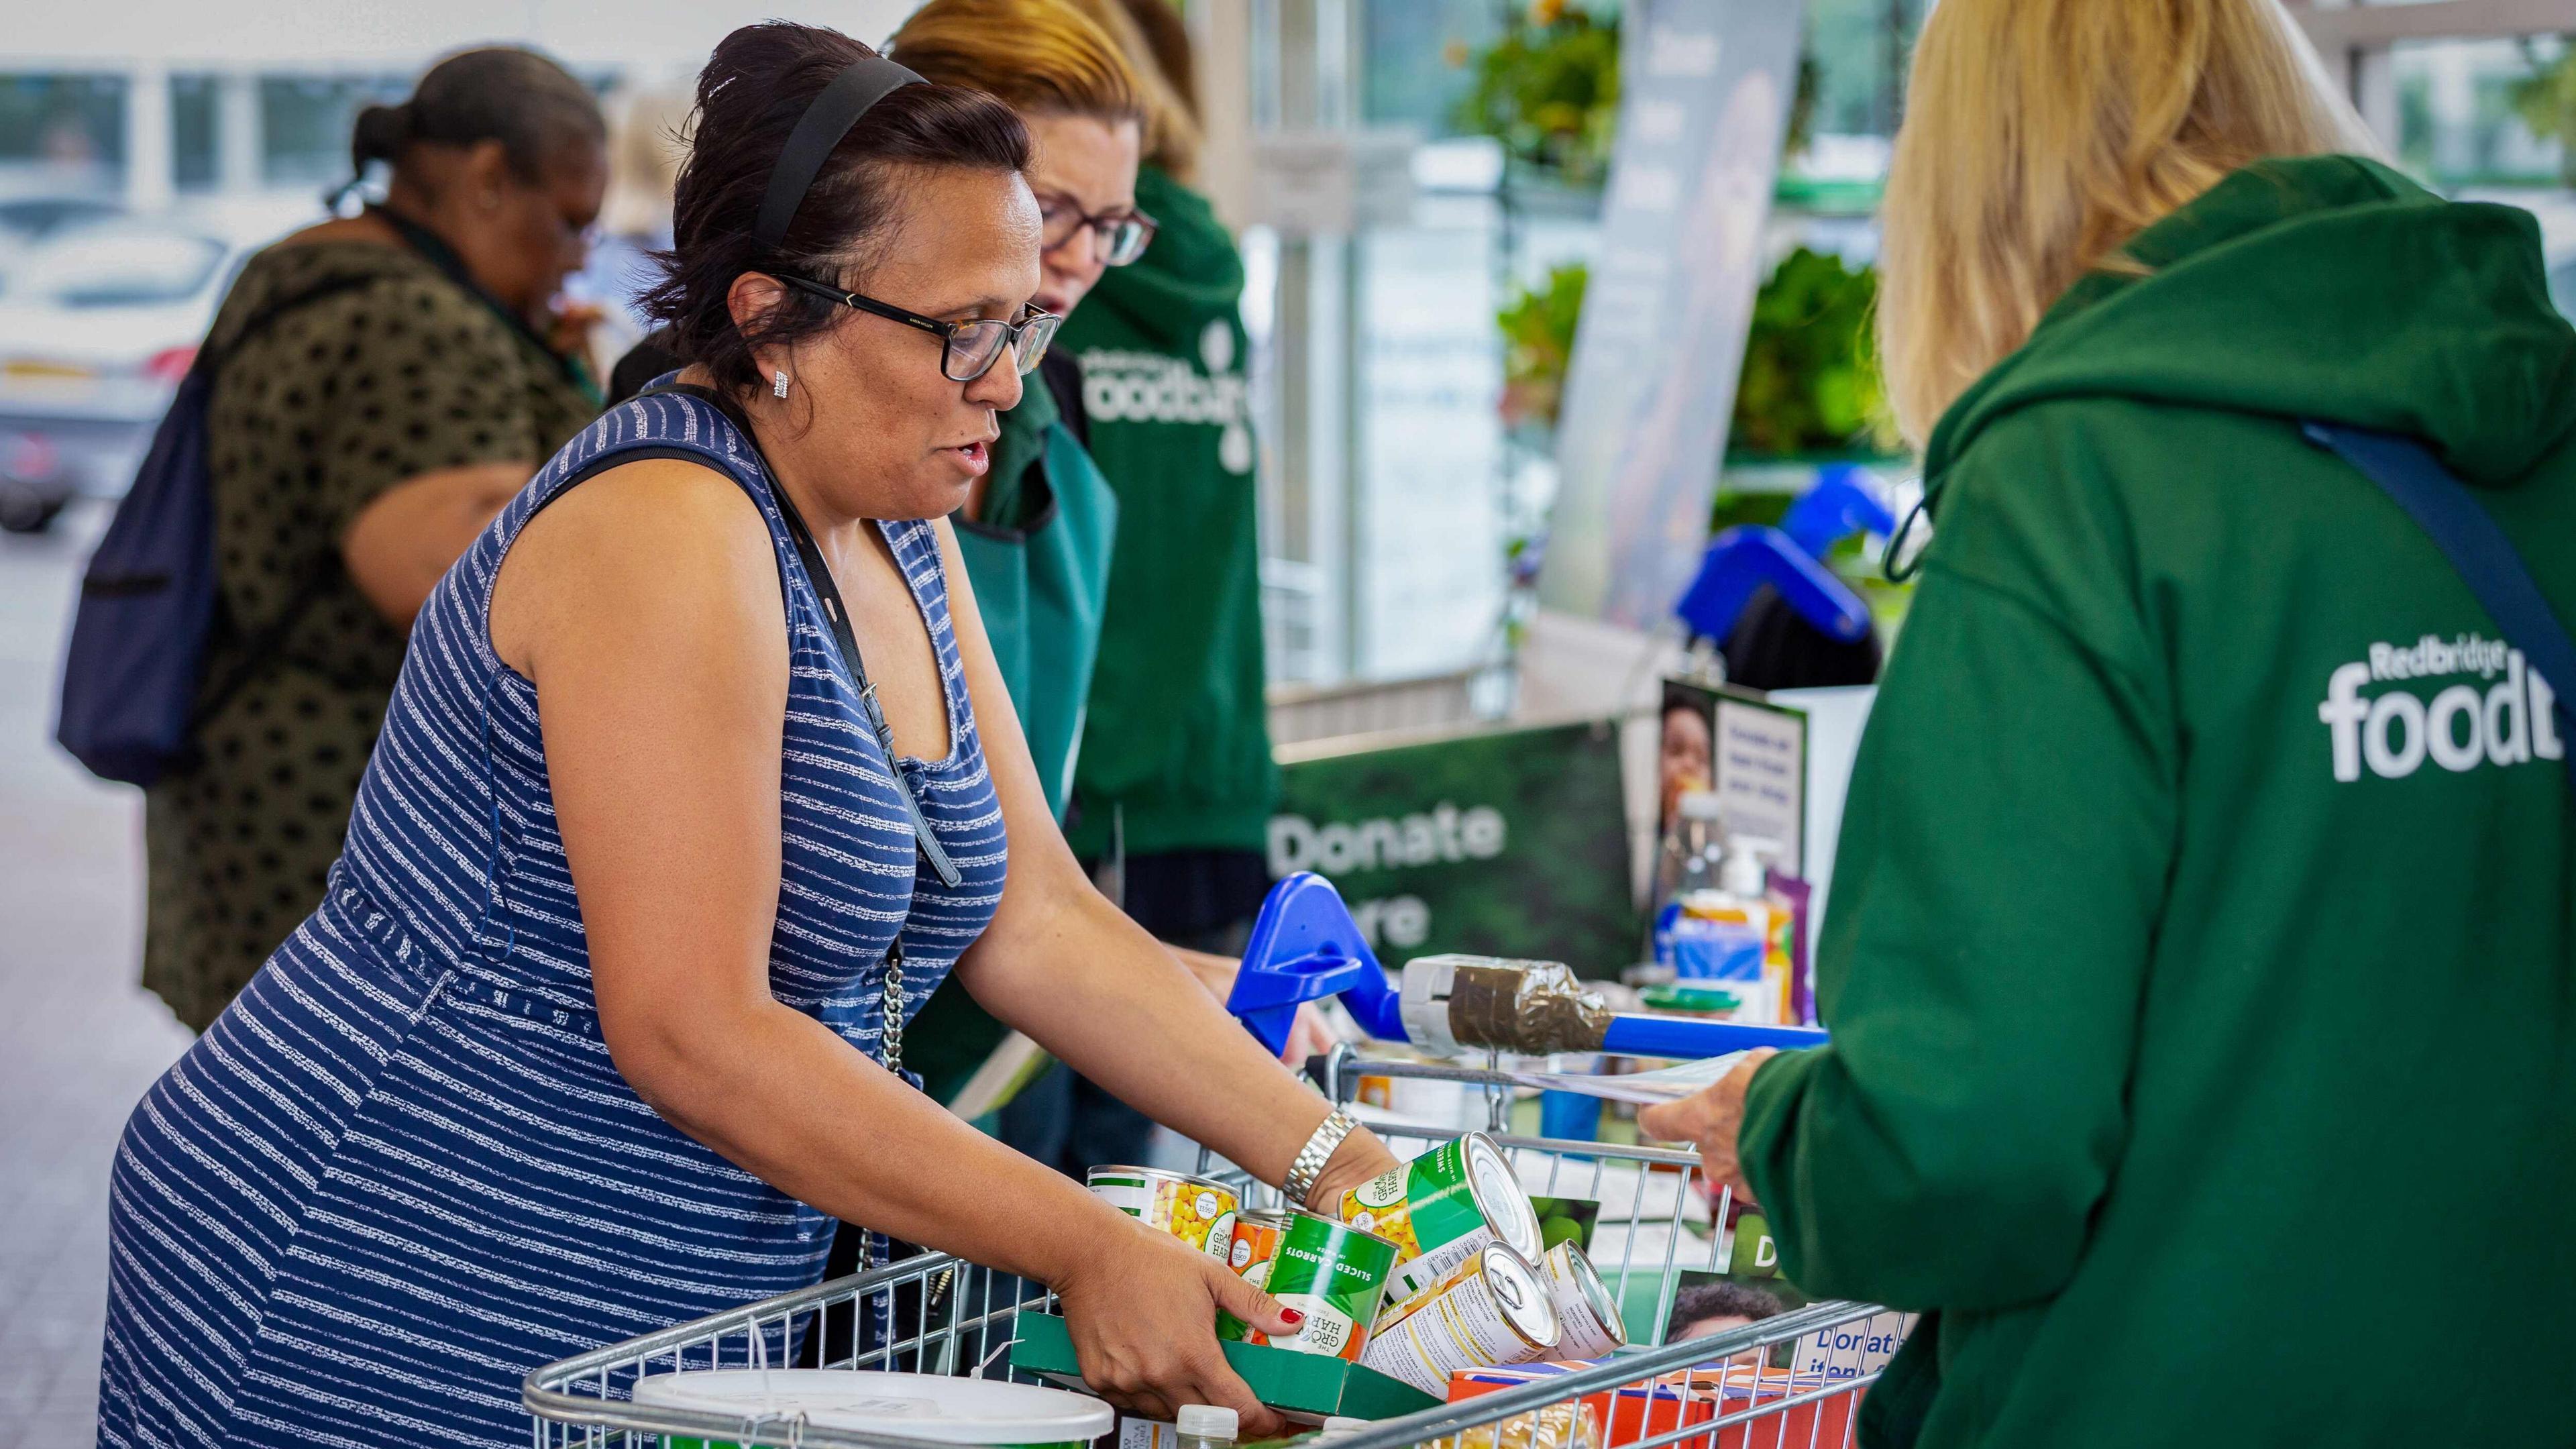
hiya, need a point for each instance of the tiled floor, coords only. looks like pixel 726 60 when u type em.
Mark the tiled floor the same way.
pixel 79 1041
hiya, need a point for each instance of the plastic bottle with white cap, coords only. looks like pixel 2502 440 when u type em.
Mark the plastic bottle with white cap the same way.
pixel 1206 1426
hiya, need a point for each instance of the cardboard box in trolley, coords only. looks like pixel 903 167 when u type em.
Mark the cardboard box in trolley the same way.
pixel 1635 1413
pixel 1848 1350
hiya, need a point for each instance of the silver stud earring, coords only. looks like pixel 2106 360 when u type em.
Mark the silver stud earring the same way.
pixel 778 383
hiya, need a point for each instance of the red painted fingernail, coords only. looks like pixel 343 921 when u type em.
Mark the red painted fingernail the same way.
pixel 1293 1316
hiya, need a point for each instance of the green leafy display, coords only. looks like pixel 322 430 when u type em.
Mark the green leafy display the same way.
pixel 1810 382
pixel 2545 100
pixel 1549 91
pixel 1538 344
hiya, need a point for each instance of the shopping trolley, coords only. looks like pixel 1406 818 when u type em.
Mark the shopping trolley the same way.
pixel 1793 1381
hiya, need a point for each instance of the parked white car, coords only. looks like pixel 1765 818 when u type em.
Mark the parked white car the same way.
pixel 99 319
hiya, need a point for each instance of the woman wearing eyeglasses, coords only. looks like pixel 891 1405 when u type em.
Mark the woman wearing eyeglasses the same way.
pixel 700 775
pixel 1040 526
pixel 1035 533
pixel 1173 791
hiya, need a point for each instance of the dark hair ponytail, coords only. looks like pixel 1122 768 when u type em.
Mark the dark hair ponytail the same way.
pixel 380 135
pixel 754 89
pixel 529 104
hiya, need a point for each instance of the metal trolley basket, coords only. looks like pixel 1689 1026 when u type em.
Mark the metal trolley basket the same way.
pixel 1789 1382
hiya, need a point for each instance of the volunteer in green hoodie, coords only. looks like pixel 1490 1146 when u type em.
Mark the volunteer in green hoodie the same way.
pixel 2199 969
pixel 1176 776
pixel 1037 538
pixel 1174 784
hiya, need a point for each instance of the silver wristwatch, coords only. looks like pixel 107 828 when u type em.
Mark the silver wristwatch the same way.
pixel 1318 1150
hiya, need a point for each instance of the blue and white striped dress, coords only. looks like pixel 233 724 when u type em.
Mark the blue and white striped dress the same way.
pixel 401 1170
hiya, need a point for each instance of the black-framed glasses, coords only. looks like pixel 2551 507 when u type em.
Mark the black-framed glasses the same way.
pixel 1120 237
pixel 972 347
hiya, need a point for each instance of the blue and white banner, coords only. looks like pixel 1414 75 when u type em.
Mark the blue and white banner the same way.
pixel 1706 87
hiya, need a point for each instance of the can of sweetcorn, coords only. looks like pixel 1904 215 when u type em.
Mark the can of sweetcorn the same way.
pixel 1443 1206
pixel 1492 1309
pixel 1192 1209
pixel 1256 1244
pixel 1333 1273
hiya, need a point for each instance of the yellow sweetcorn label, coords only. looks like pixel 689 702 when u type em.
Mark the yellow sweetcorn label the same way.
pixel 1379 1206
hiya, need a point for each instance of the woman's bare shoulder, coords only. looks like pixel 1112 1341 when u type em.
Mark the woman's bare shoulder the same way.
pixel 663 543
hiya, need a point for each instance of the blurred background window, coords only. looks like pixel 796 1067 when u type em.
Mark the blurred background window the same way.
pixel 61 134
pixel 304 123
pixel 195 160
pixel 2495 120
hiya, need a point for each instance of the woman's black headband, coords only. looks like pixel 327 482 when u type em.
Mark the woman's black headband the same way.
pixel 828 117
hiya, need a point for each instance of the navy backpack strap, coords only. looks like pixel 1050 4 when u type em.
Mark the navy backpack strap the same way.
pixel 2486 560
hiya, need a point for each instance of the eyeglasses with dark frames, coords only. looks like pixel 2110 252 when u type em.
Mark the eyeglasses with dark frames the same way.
pixel 1121 236
pixel 972 347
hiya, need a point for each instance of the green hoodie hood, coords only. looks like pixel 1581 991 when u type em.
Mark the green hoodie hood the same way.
pixel 1176 750
pixel 1190 276
pixel 2325 287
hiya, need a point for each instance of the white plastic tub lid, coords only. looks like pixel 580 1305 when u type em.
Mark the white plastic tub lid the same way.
pixel 913 1406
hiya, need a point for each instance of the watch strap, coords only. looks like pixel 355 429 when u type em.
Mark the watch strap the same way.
pixel 1319 1150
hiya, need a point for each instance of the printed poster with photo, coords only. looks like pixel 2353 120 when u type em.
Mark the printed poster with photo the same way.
pixel 1751 1289
pixel 1751 751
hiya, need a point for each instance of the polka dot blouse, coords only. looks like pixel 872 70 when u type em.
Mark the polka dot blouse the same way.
pixel 313 418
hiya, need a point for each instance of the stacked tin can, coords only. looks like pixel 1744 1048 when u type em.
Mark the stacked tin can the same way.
pixel 1443 1206
pixel 1332 1272
pixel 1433 1268
pixel 1199 1211
pixel 1490 1309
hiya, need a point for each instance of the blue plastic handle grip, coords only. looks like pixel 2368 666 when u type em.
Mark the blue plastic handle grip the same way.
pixel 1690 1039
pixel 1305 947
pixel 1744 558
pixel 1839 506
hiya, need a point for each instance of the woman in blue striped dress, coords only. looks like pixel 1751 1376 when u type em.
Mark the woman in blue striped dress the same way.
pixel 698 778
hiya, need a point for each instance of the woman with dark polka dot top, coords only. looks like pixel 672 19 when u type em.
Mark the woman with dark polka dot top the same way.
pixel 359 442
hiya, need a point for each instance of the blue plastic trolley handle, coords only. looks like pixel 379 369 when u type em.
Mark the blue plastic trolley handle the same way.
pixel 1689 1038
pixel 1305 947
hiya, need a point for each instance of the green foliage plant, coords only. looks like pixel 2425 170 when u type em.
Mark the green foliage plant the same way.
pixel 2545 101
pixel 1810 383
pixel 1548 90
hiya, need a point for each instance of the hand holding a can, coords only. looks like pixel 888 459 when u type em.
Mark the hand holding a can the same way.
pixel 1362 1157
pixel 1712 1117
pixel 1142 1309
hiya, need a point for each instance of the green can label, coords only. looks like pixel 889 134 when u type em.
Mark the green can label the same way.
pixel 1335 1275
pixel 1443 1205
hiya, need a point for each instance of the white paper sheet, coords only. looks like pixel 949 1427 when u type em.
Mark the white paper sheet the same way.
pixel 1643 1088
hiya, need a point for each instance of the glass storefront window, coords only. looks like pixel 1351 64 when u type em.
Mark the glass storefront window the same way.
pixel 62 133
pixel 305 120
pixel 2495 120
pixel 1415 70
pixel 194 161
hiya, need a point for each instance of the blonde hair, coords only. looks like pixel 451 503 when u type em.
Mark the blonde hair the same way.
pixel 1039 57
pixel 2040 136
pixel 1172 134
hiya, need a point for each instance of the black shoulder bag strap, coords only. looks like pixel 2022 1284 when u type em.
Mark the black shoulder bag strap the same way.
pixel 2486 560
pixel 818 570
